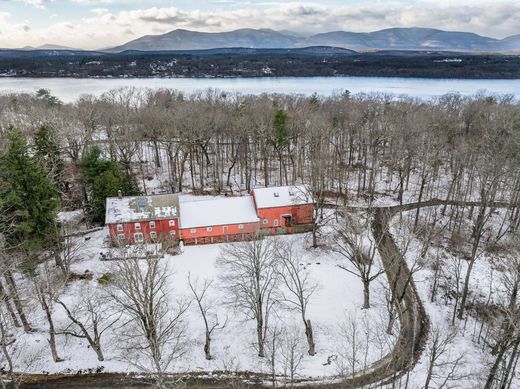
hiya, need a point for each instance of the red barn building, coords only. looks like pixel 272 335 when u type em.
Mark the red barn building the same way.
pixel 284 207
pixel 206 219
pixel 142 219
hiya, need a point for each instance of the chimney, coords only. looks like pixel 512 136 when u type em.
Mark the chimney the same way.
pixel 120 194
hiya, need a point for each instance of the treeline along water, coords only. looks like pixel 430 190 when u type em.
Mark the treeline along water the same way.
pixel 69 89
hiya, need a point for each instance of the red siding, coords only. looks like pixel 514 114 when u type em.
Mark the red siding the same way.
pixel 300 214
pixel 225 233
pixel 162 228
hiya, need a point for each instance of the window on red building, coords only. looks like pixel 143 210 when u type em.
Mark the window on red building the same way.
pixel 171 223
pixel 120 227
pixel 139 237
pixel 152 225
pixel 137 226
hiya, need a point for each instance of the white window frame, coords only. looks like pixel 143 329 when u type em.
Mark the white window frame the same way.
pixel 275 222
pixel 152 225
pixel 193 230
pixel 141 237
pixel 209 229
pixel 265 221
pixel 137 226
pixel 153 234
pixel 121 237
pixel 171 223
pixel 173 233
pixel 120 228
pixel 240 226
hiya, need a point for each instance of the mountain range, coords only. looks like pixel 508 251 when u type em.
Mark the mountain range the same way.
pixel 415 38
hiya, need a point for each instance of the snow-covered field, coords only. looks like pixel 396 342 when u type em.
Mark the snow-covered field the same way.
pixel 334 309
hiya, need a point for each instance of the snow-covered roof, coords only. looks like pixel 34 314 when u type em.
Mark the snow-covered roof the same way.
pixel 137 208
pixel 282 196
pixel 216 211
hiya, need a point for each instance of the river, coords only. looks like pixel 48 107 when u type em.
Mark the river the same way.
pixel 69 89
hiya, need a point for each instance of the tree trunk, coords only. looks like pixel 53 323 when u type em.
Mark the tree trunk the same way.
pixel 310 338
pixel 465 290
pixel 509 369
pixel 52 331
pixel 16 300
pixel 8 305
pixel 366 294
pixel 207 347
pixel 260 337
pixel 492 373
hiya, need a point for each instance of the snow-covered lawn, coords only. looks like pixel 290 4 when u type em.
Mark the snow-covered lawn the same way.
pixel 334 310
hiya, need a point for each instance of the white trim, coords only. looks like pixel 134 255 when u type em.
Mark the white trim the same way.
pixel 153 234
pixel 152 225
pixel 138 237
pixel 265 221
pixel 137 226
pixel 171 223
pixel 120 228
pixel 209 229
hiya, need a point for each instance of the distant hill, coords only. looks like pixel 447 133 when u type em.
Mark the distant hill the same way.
pixel 50 47
pixel 193 40
pixel 389 39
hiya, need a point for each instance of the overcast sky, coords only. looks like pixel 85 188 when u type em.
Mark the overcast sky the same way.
pixel 92 24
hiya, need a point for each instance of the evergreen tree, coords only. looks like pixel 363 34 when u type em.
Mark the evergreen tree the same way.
pixel 45 95
pixel 103 178
pixel 28 199
pixel 47 152
pixel 281 129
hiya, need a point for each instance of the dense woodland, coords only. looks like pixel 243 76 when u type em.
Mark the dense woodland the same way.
pixel 314 61
pixel 352 151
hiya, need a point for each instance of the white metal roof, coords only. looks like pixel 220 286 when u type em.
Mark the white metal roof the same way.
pixel 216 211
pixel 139 208
pixel 282 196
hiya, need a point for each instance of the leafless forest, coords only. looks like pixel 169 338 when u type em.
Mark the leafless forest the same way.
pixel 442 176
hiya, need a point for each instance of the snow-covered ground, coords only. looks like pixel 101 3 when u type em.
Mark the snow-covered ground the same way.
pixel 485 286
pixel 334 309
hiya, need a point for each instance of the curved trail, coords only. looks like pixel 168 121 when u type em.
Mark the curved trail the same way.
pixel 411 340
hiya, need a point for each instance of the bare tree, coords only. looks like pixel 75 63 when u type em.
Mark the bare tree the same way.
pixel 354 242
pixel 250 275
pixel 272 348
pixel 7 340
pixel 209 316
pixel 299 286
pixel 507 332
pixel 153 329
pixel 47 284
pixel 89 319
pixel 291 353
pixel 68 251
pixel 443 365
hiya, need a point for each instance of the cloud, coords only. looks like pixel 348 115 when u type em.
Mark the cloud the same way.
pixel 100 11
pixel 103 28
pixel 35 3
